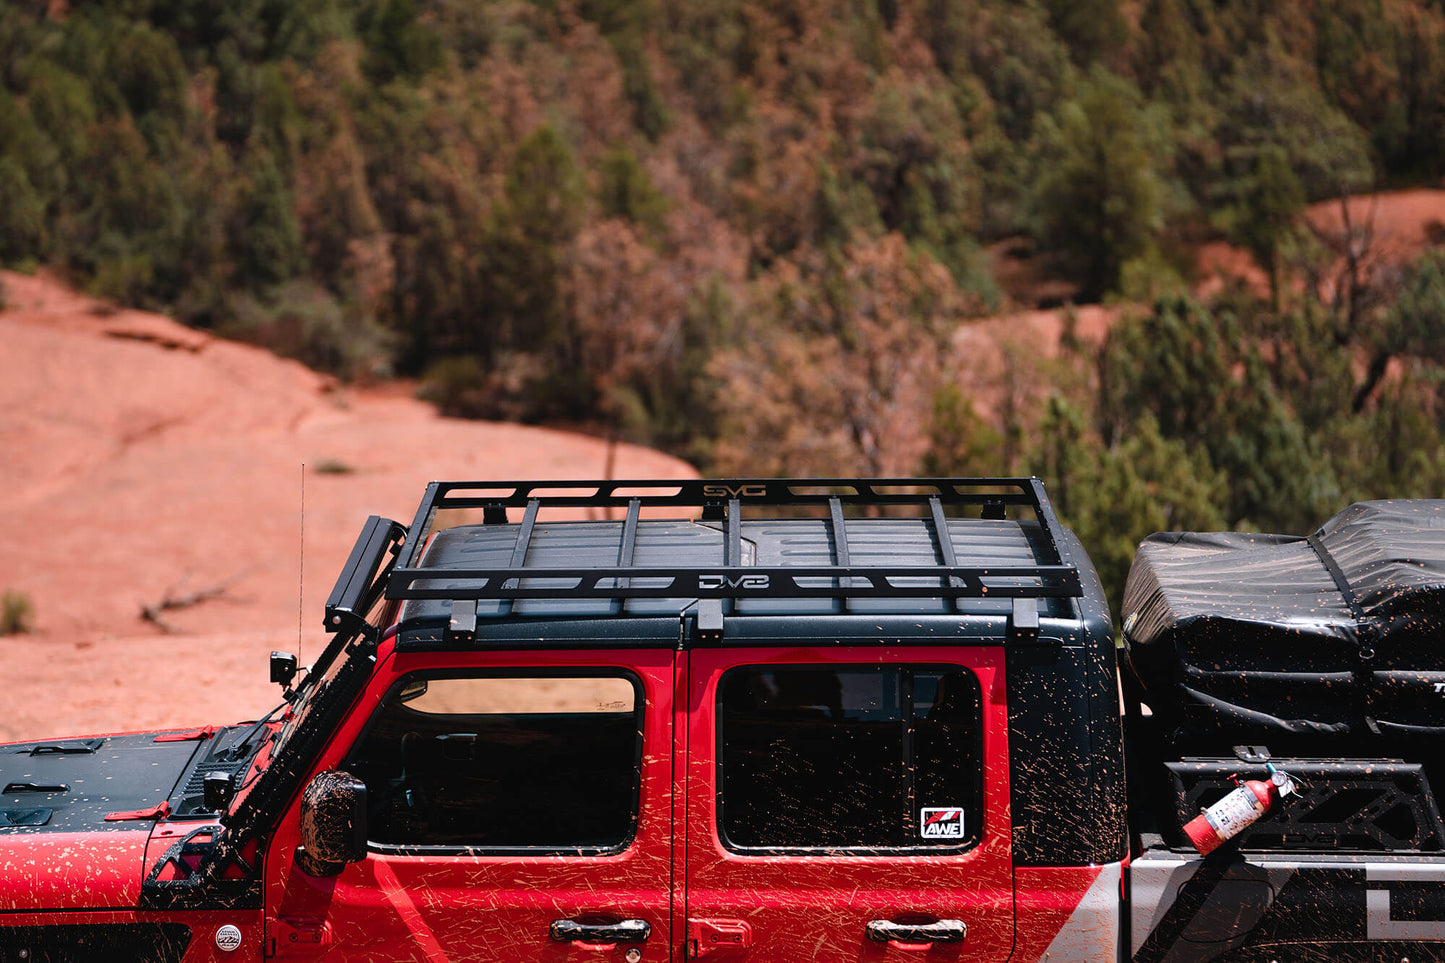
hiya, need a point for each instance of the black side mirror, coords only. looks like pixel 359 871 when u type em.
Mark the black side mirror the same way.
pixel 283 668
pixel 333 823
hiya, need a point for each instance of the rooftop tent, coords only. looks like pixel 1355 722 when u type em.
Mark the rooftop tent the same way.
pixel 1290 639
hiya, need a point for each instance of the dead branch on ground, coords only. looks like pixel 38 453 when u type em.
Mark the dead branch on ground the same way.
pixel 170 601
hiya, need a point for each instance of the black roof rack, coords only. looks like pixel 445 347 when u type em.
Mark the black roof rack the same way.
pixel 725 500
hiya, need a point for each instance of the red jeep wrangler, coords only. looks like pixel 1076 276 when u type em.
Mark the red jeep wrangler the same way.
pixel 741 719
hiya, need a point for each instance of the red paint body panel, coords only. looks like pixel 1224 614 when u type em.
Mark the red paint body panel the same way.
pixel 59 871
pixel 461 908
pixel 815 907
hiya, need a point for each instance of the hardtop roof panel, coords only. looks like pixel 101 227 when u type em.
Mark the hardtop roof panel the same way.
pixel 796 542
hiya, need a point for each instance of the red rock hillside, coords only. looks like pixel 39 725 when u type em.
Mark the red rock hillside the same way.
pixel 145 461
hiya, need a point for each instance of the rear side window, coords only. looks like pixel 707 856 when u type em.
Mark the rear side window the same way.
pixel 533 763
pixel 849 759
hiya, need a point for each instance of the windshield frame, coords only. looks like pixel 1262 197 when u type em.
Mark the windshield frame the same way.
pixel 355 614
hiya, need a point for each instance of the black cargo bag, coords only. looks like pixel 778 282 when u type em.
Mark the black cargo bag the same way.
pixel 1300 643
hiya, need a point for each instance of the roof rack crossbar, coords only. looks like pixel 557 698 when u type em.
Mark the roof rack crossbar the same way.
pixel 524 533
pixel 946 554
pixel 699 493
pixel 840 537
pixel 733 549
pixel 628 548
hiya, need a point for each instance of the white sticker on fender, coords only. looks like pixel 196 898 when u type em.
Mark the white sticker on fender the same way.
pixel 228 938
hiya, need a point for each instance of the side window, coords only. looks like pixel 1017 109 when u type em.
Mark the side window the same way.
pixel 529 763
pixel 850 759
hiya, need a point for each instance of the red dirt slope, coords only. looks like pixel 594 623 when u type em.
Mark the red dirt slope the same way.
pixel 144 460
pixel 1392 227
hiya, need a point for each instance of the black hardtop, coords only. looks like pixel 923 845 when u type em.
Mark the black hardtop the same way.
pixel 798 543
pixel 652 551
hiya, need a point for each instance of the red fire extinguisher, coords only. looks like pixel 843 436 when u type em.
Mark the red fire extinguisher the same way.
pixel 1236 811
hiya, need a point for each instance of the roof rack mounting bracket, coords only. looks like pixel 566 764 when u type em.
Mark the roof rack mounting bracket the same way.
pixel 710 618
pixel 463 626
pixel 1023 624
pixel 1256 754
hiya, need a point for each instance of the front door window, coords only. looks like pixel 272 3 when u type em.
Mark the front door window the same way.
pixel 504 764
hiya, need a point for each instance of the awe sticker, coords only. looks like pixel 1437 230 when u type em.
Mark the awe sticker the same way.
pixel 940 823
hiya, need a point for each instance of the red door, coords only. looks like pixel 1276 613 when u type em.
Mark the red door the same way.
pixel 847 804
pixel 519 809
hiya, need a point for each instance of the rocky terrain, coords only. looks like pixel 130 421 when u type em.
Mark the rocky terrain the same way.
pixel 148 466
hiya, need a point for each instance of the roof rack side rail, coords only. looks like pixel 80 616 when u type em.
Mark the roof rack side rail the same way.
pixel 701 492
pixel 426 514
pixel 1048 521
pixel 740 581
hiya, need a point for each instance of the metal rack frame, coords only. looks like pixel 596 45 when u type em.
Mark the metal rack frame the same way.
pixel 726 500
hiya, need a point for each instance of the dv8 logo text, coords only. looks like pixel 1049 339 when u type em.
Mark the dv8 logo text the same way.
pixel 714 583
pixel 727 491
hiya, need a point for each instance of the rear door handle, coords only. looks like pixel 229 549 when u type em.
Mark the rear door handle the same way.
pixel 625 931
pixel 943 931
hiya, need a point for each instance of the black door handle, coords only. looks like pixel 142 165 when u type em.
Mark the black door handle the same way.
pixel 626 931
pixel 944 931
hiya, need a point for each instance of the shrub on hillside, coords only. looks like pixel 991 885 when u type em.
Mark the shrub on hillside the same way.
pixel 16 611
pixel 462 387
pixel 303 320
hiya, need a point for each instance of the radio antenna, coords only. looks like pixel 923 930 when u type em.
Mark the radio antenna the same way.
pixel 301 569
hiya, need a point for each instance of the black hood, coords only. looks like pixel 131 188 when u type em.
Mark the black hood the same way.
pixel 72 785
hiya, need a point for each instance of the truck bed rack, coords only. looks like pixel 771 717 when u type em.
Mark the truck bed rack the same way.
pixel 1343 805
pixel 725 501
